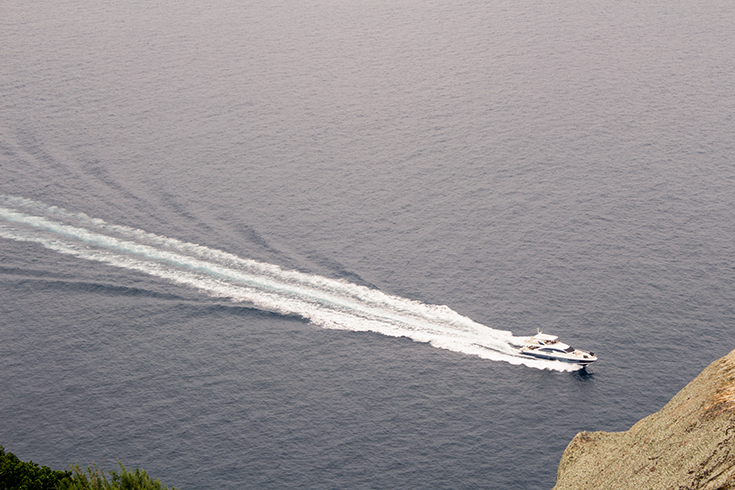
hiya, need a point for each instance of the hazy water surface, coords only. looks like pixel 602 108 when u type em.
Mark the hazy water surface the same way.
pixel 278 245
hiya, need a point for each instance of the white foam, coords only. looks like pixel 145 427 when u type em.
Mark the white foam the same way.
pixel 329 303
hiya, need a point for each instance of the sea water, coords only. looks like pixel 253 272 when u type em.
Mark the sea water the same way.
pixel 277 245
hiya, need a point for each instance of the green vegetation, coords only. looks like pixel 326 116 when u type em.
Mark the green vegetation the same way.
pixel 95 479
pixel 17 474
pixel 20 475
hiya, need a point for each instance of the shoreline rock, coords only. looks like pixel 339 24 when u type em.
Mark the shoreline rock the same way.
pixel 689 444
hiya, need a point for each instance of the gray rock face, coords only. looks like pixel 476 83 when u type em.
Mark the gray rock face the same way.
pixel 689 444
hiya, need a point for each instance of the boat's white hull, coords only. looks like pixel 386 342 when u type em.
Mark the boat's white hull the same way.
pixel 553 357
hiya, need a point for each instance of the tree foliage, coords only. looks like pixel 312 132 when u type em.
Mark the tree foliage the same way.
pixel 19 475
pixel 95 479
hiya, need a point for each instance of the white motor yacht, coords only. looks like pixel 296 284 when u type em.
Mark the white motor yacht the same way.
pixel 544 346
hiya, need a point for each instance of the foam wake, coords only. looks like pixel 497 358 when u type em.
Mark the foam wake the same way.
pixel 325 302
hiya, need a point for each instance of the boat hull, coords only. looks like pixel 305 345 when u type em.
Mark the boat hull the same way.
pixel 551 357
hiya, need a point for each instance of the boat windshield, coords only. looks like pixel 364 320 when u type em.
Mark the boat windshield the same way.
pixel 569 349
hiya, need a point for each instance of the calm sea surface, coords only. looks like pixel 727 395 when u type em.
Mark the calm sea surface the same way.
pixel 271 244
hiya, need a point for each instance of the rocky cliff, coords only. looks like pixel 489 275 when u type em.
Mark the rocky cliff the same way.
pixel 688 444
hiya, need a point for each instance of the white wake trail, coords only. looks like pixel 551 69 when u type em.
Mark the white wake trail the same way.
pixel 325 302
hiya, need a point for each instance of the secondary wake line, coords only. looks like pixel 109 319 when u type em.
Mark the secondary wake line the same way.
pixel 329 303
